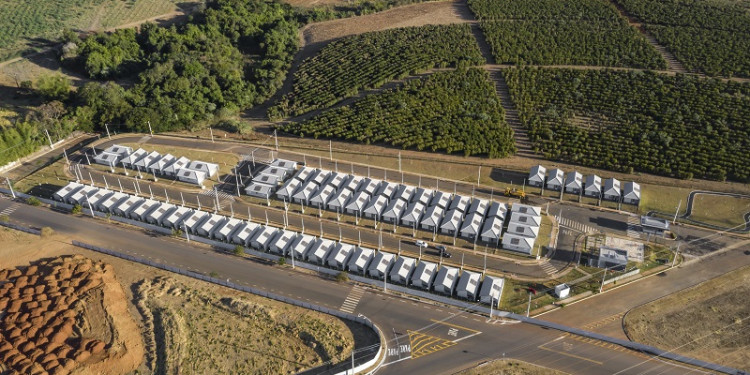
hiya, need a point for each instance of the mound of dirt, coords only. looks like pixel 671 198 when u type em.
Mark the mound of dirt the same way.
pixel 66 314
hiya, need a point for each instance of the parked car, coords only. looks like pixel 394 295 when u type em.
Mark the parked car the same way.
pixel 442 251
pixel 420 243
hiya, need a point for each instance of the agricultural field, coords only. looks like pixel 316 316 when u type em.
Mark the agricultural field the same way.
pixel 708 321
pixel 678 126
pixel 452 111
pixel 571 10
pixel 361 62
pixel 31 25
pixel 562 42
pixel 708 36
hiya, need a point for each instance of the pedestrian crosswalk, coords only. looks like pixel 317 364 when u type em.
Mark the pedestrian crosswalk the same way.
pixel 351 301
pixel 548 268
pixel 565 222
pixel 10 209
pixel 634 227
pixel 223 197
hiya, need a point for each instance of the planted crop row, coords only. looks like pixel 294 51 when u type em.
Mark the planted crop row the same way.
pixel 592 10
pixel 551 42
pixel 452 111
pixel 369 60
pixel 680 126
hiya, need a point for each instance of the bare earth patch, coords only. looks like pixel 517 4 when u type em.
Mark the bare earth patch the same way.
pixel 509 367
pixel 708 321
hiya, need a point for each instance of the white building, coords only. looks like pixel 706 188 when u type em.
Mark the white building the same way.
pixel 468 286
pixel 319 251
pixel 492 290
pixel 387 189
pixel 423 196
pixel 263 238
pixel 338 202
pixel 498 210
pixel 305 192
pixel 81 195
pixel 518 243
pixel 446 280
pixel 631 193
pixel 304 174
pixel 243 235
pixel 287 190
pixel 424 275
pixel 337 180
pixel 562 291
pixel 159 165
pixel 460 203
pixel 194 221
pixel 174 220
pixel 471 225
pixel 130 160
pixel 526 209
pixel 412 214
pixel 555 179
pixel 479 206
pixel 124 208
pixel 522 230
pixel 353 183
pixel 370 186
pixel 98 197
pixel 67 190
pixel 259 190
pixel 143 163
pixel 191 176
pixel 380 265
pixel 528 220
pixel 278 174
pixel 119 150
pixel 210 225
pixel 394 210
pixel 266 179
pixel 339 256
pixel 288 165
pixel 141 212
pixel 375 208
pixel 282 242
pixel 431 218
pixel 612 190
pixel 440 199
pixel 176 166
pixel 322 196
pixel 358 203
pixel 574 183
pixel 225 232
pixel 537 176
pixel 162 212
pixel 402 270
pixel 593 186
pixel 451 222
pixel 105 158
pixel 491 230
pixel 301 245
pixel 360 260
pixel 210 169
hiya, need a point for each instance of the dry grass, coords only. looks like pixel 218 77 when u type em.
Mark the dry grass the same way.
pixel 708 321
pixel 509 367
pixel 720 210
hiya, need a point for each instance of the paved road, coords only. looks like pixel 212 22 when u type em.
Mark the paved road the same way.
pixel 438 339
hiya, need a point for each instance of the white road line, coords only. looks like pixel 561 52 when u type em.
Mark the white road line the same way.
pixel 352 300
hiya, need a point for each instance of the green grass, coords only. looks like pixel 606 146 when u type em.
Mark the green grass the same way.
pixel 719 210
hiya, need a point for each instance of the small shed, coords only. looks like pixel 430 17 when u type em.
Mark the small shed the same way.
pixel 213 223
pixel 593 186
pixel 259 190
pixel 424 275
pixel 631 193
pixel 574 183
pixel 193 222
pixel 460 203
pixel 123 209
pixel 141 212
pixel 479 206
pixel 174 220
pixel 305 192
pixel 412 214
pixel 81 195
pixel 145 161
pixel 130 160
pixel 612 189
pixel 338 202
pixel 562 291
pixel 225 232
pixel 301 245
pixel 191 176
pixel 304 174
pixel 525 209
pixel 67 190
pixel 360 260
pixel 375 208
pixel 370 186
pixel 492 290
pixel 339 256
pixel 422 195
pixel 358 203
pixel 109 204
pixel 162 212
pixel 288 165
pixel 394 210
pixel 287 190
pixel 468 286
pixel 176 166
pixel 263 238
pixel 518 243
pixel 431 218
pixel 555 179
pixel 446 280
pixel 529 220
pixel 451 222
pixel 322 196
pixel 522 230
pixel 497 210
pixel 402 270
pixel 491 230
pixel 440 199
pixel 537 175
pixel 380 265
pixel 246 231
pixel 158 166
pixel 319 251
pixel 105 158
pixel 282 242
pixel 210 169
pixel 471 225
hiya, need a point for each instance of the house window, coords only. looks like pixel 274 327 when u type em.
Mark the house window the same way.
pixel 514 241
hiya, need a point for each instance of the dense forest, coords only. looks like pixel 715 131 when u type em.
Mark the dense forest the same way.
pixel 710 37
pixel 450 111
pixel 347 66
pixel 682 126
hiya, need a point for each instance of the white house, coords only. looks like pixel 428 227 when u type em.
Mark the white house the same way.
pixel 320 177
pixel 145 208
pixel 263 238
pixel 431 218
pixel 193 222
pixel 528 220
pixel 288 165
pixel 174 168
pixel 375 208
pixel 518 243
pixel 119 150
pixel 423 275
pixel 402 270
pixel 98 196
pixel 492 290
pixel 210 225
pixel 321 197
pixel 370 186
pixel 319 251
pixel 526 209
pixel 337 180
pixel 282 241
pixel 124 208
pixel 174 220
pixel 259 190
pixel 460 203
pixel 301 245
pixel 440 199
pixel 159 165
pixel 574 183
pixel 404 192
pixel 130 160
pixel 497 210
pixel 479 206
pixel 387 189
pixel 537 175
pixel 81 195
pixel 338 202
pixel 555 179
pixel 612 190
pixel 357 203
pixel 593 186
pixel 144 162
pixel 412 214
pixel 191 176
pixel 631 193
pixel 288 189
pixel 225 232
pixel 210 169
pixel 446 280
pixel 242 235
pixel 304 193
pixel 380 265
pixel 67 190
pixel 339 256
pixel 491 230
pixel 278 173
pixel 468 286
pixel 304 174
pixel 422 195
pixel 105 158
pixel 353 183
pixel 160 213
pixel 522 230
pixel 394 210
pixel 360 260
pixel 109 204
pixel 471 225
pixel 267 179
pixel 451 222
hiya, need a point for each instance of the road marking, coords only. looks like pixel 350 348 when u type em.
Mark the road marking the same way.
pixel 454 329
pixel 10 209
pixel 580 227
pixel 422 344
pixel 548 268
pixel 603 321
pixel 634 227
pixel 568 354
pixel 351 301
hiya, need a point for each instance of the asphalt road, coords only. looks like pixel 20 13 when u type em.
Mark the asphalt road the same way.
pixel 456 339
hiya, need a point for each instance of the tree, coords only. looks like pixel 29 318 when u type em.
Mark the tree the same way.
pixel 53 87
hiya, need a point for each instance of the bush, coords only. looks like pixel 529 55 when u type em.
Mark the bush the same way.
pixel 4 218
pixel 239 250
pixel 214 274
pixel 76 209
pixel 342 277
pixel 177 232
pixel 282 261
pixel 54 87
pixel 46 232
pixel 33 201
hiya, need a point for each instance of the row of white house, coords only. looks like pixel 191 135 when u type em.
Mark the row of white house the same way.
pixel 573 182
pixel 523 228
pixel 428 276
pixel 266 181
pixel 182 168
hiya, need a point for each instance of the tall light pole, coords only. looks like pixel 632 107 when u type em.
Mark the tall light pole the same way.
pixel 10 186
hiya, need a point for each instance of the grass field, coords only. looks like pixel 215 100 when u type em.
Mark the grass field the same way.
pixel 720 210
pixel 708 321
pixel 509 367
pixel 31 25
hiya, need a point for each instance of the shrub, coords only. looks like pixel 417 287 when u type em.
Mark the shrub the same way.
pixel 282 261
pixel 342 277
pixel 46 232
pixel 33 201
pixel 239 250
pixel 4 218
pixel 76 209
pixel 54 87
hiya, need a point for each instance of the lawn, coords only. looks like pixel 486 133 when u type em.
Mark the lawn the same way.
pixel 723 211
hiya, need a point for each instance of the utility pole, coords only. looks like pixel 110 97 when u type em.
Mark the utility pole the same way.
pixel 166 195
pixel 119 183
pixel 601 287
pixel 67 161
pixel 276 139
pixel 106 127
pixel 479 175
pixel 10 187
pixel 187 235
pixel 51 145
pixel 237 181
pixel 90 208
pixel 149 128
pixel 676 254
pixel 399 162
pixel 528 308
pixel 106 185
pixel 211 131
pixel 330 149
pixel 676 212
